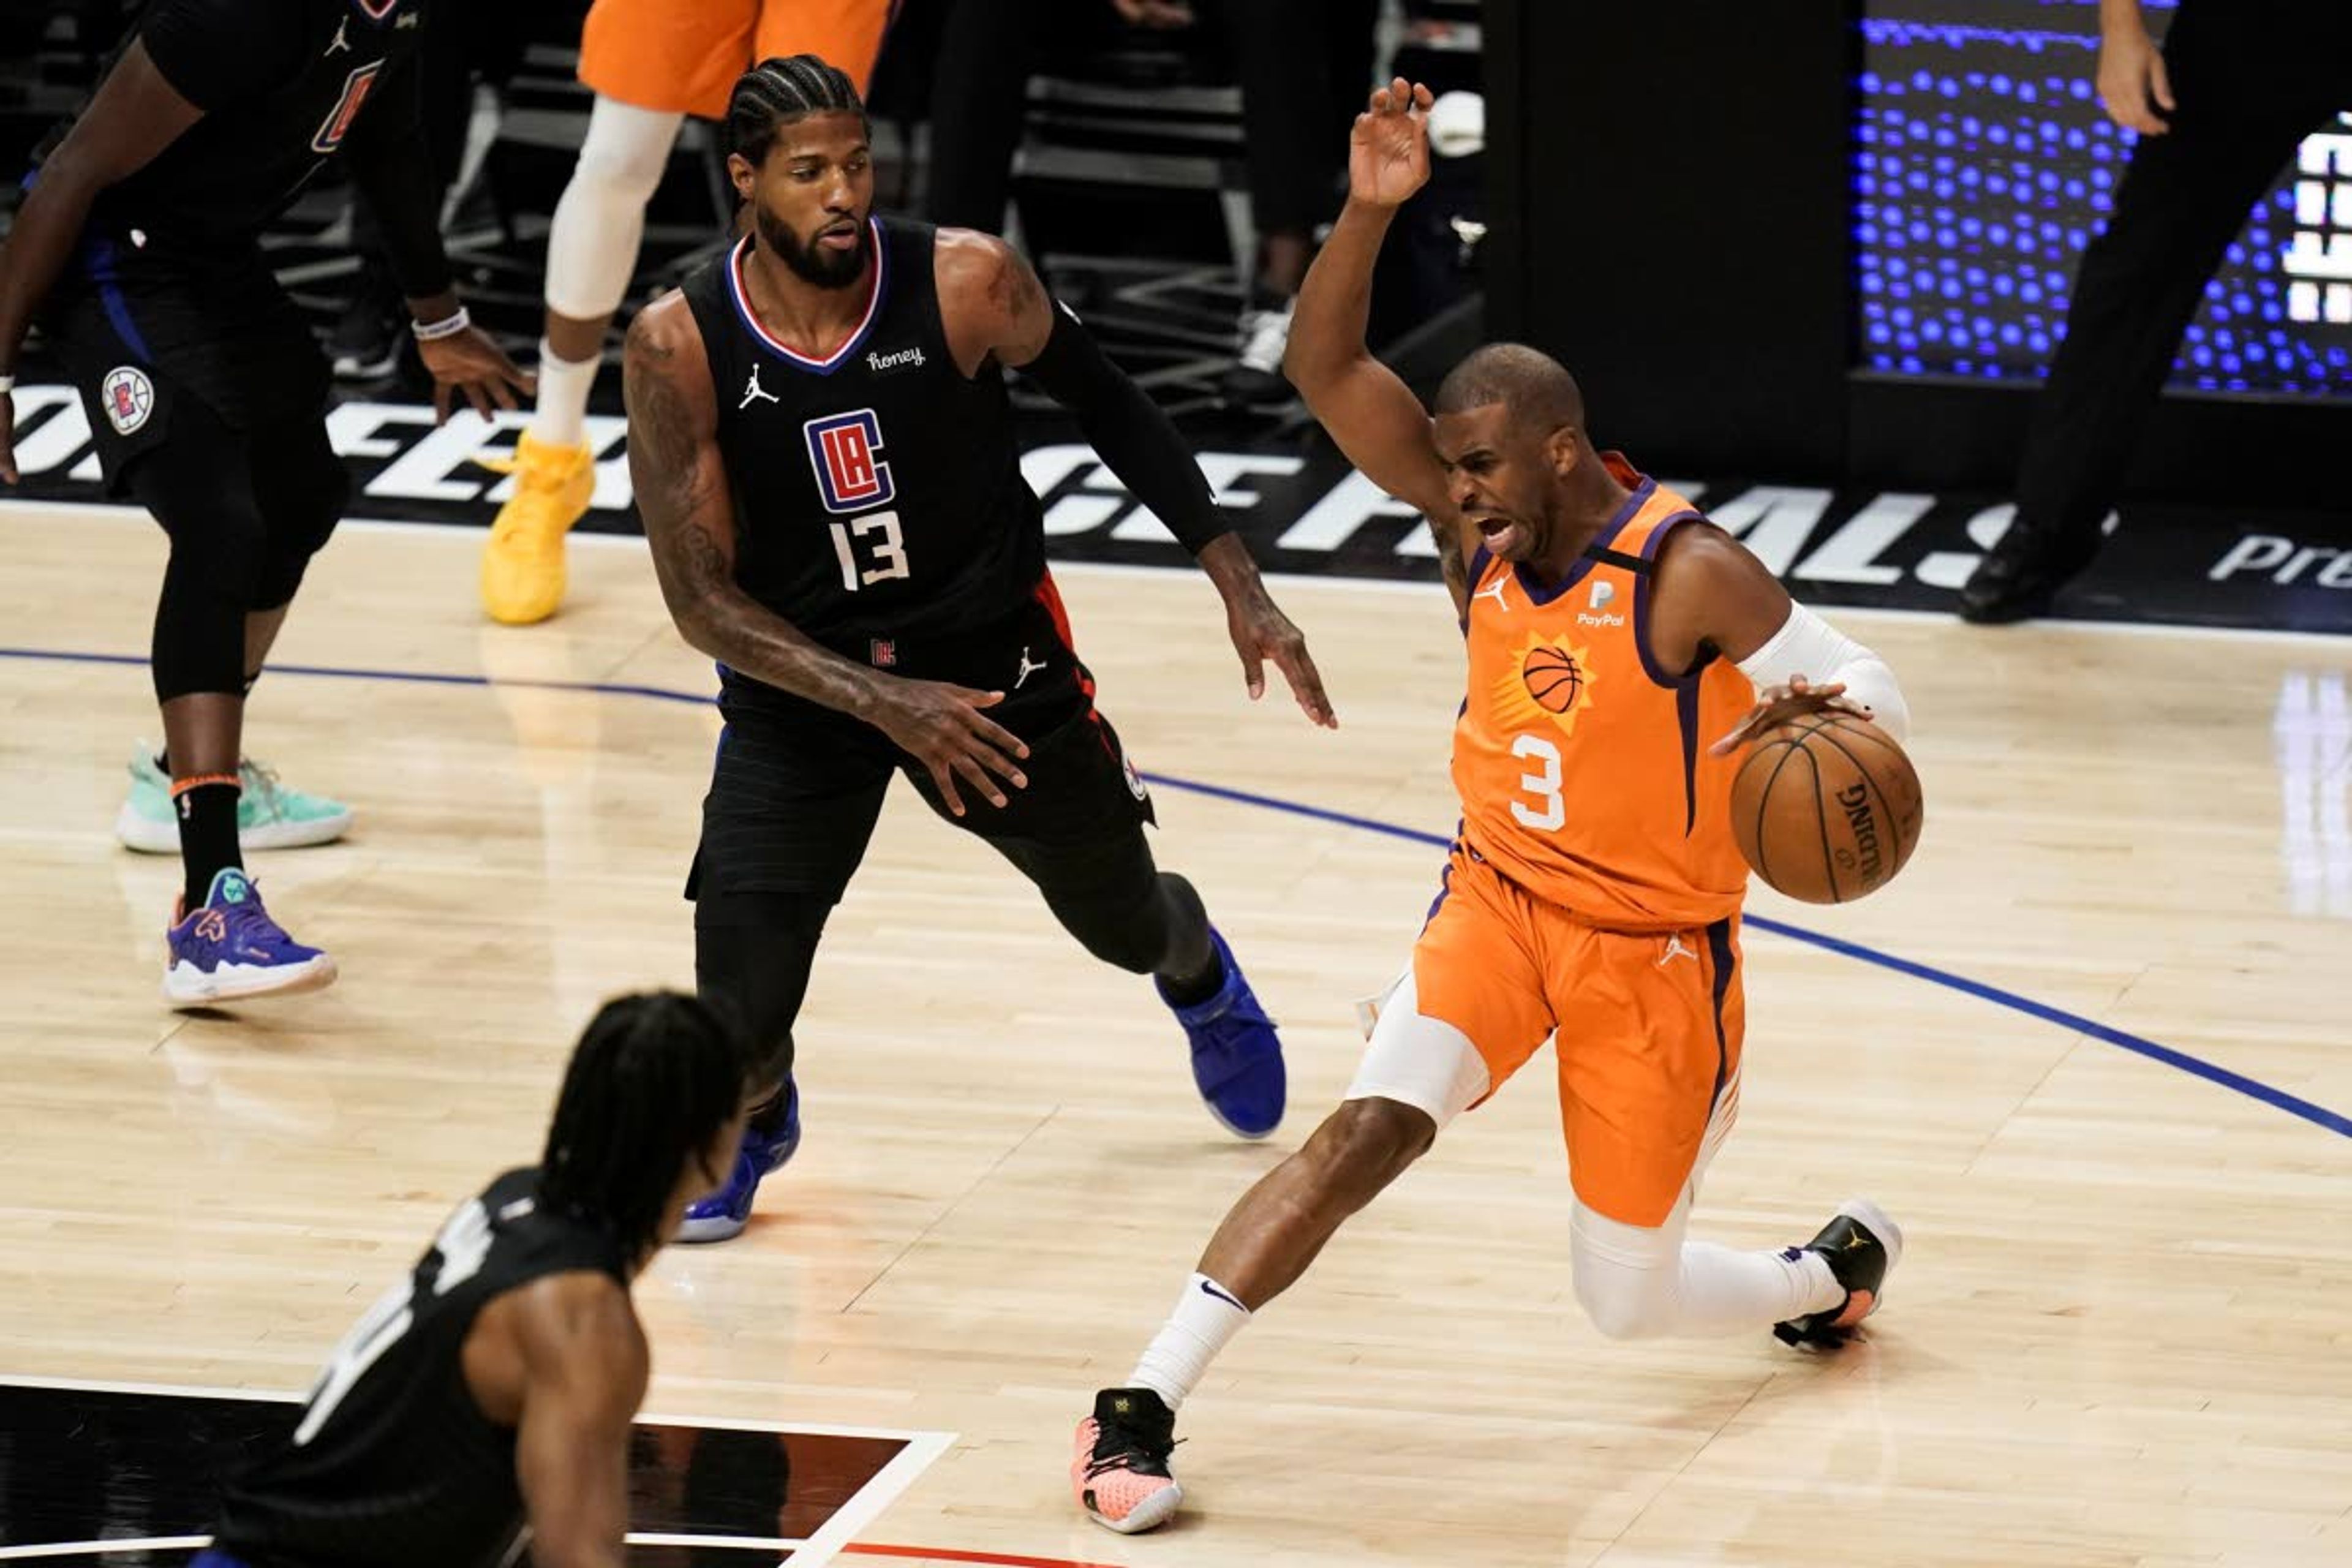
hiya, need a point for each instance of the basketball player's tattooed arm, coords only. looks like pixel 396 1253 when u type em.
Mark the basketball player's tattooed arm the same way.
pixel 583 1369
pixel 1364 405
pixel 682 490
pixel 994 307
pixel 135 114
pixel 1711 594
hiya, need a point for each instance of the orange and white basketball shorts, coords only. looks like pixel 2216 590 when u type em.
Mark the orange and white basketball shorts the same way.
pixel 682 56
pixel 1649 1028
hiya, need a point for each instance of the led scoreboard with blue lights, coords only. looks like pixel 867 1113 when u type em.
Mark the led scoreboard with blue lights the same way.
pixel 1983 165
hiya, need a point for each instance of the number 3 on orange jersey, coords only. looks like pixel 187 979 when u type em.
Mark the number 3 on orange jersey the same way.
pixel 1544 786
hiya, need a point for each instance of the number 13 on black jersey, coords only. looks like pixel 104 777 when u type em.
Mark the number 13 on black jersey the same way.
pixel 853 477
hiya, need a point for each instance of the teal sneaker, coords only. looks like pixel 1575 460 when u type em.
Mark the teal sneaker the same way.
pixel 268 815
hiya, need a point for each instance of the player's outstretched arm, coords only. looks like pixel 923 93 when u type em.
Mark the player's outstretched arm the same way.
pixel 585 1366
pixel 682 492
pixel 136 114
pixel 1369 411
pixel 1712 593
pixel 995 308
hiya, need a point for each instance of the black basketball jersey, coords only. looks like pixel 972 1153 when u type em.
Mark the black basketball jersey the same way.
pixel 281 83
pixel 393 1463
pixel 880 505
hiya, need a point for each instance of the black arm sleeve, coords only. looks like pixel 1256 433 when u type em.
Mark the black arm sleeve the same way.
pixel 394 173
pixel 1129 429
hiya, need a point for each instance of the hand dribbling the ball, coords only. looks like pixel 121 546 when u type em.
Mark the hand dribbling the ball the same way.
pixel 1779 705
pixel 1388 153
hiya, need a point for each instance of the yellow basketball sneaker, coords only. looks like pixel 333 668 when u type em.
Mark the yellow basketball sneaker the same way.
pixel 522 566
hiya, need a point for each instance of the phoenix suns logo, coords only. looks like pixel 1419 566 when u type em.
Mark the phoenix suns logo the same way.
pixel 1544 680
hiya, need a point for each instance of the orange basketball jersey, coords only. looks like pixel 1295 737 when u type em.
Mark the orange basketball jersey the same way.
pixel 1582 766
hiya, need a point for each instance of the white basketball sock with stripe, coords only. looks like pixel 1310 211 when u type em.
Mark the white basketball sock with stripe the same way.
pixel 1206 1316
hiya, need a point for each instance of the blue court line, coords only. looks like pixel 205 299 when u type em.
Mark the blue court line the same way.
pixel 2294 1105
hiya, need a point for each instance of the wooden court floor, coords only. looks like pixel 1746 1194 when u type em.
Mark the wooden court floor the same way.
pixel 2091 1048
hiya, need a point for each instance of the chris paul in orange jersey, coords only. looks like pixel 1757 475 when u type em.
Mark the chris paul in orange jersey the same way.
pixel 1621 652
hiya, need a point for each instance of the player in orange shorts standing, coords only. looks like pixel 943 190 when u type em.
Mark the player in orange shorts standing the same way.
pixel 1594 889
pixel 651 63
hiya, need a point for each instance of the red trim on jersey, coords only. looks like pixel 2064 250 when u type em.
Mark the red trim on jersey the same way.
pixel 866 323
pixel 1050 596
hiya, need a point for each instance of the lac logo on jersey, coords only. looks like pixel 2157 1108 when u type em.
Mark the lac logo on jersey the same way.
pixel 845 450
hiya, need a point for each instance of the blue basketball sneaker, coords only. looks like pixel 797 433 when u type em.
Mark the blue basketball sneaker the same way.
pixel 1236 1054
pixel 231 949
pixel 722 1216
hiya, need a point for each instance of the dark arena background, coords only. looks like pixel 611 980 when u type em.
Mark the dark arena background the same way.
pixel 1820 304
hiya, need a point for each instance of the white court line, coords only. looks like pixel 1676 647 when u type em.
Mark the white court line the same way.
pixel 885 1487
pixel 1324 581
pixel 105 1548
pixel 283 1397
pixel 882 1488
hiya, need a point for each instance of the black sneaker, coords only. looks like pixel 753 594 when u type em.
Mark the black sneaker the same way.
pixel 1861 1247
pixel 1119 1470
pixel 366 342
pixel 1254 379
pixel 2018 578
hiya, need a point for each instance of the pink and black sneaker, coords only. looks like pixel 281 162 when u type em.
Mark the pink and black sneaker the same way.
pixel 1119 1470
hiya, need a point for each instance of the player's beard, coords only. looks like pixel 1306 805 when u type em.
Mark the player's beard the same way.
pixel 811 262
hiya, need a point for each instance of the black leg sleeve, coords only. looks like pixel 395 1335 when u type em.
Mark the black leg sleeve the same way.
pixel 752 955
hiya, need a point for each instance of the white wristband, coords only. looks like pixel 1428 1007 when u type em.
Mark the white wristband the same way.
pixel 447 327
pixel 7 384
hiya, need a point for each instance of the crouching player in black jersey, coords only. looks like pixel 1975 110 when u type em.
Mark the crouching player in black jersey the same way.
pixel 490 1392
pixel 824 450
pixel 139 245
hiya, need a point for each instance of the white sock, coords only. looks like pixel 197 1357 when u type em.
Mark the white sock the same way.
pixel 1206 1316
pixel 559 419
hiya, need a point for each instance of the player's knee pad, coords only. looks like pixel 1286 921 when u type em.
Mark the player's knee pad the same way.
pixel 591 242
pixel 1628 1278
pixel 302 501
pixel 209 586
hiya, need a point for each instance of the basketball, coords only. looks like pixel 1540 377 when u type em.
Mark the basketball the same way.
pixel 1827 808
pixel 1552 679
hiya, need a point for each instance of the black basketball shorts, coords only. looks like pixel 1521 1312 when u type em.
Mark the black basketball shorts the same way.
pixel 796 788
pixel 139 330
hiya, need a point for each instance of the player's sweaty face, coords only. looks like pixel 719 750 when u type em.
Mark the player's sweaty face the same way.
pixel 1495 476
pixel 811 197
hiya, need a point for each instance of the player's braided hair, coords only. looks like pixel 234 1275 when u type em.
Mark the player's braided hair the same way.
pixel 652 1082
pixel 779 90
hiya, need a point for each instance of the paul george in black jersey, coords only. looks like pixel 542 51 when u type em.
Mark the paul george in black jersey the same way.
pixel 138 246
pixel 824 450
pixel 487 1396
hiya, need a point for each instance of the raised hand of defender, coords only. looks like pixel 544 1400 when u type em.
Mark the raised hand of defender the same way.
pixel 1388 154
pixel 1261 632
pixel 471 363
pixel 942 727
pixel 1779 705
pixel 2133 83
